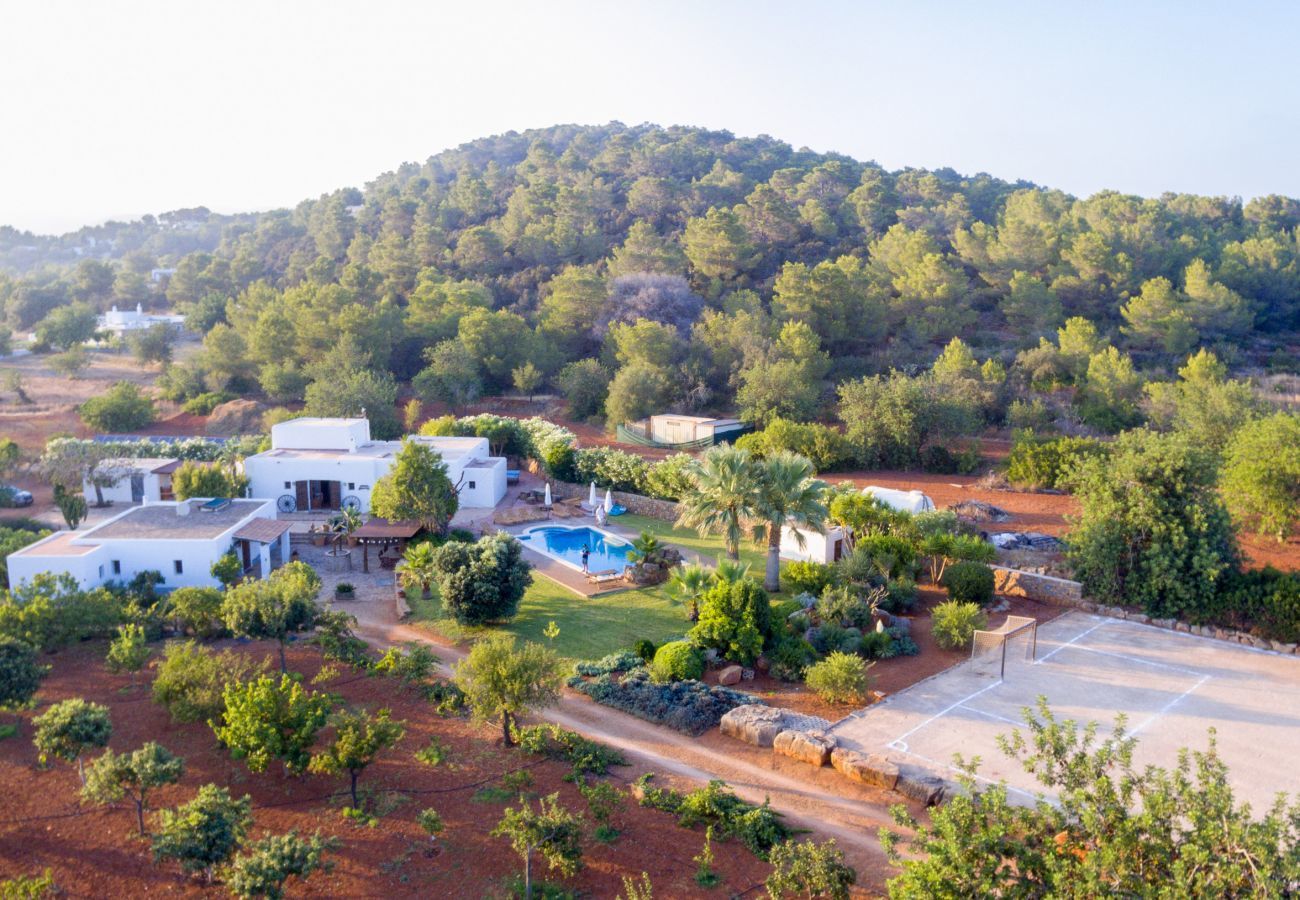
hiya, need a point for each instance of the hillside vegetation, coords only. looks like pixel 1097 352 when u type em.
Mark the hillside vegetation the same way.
pixel 638 268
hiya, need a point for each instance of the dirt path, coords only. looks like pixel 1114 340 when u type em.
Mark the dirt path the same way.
pixel 822 803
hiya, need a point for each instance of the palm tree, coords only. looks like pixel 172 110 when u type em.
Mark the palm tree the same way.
pixel 688 584
pixel 730 571
pixel 644 547
pixel 417 566
pixel 342 524
pixel 788 497
pixel 724 495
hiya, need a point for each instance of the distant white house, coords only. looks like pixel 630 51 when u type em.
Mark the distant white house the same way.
pixel 136 480
pixel 327 464
pixel 180 539
pixel 903 501
pixel 122 321
pixel 817 547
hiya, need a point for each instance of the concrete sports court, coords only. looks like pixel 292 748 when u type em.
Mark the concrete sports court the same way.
pixel 1172 686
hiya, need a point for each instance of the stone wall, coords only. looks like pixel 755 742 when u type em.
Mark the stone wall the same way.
pixel 664 510
pixel 1043 588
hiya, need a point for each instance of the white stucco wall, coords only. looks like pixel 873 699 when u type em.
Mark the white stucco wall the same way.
pixel 817 547
pixel 483 487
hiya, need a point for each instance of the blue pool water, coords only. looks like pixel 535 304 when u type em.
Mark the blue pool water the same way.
pixel 565 544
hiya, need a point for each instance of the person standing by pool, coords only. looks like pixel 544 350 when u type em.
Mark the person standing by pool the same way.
pixel 586 552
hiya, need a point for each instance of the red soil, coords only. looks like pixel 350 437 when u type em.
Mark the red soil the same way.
pixel 94 851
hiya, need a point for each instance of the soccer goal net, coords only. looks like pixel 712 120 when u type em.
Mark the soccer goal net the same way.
pixel 1015 640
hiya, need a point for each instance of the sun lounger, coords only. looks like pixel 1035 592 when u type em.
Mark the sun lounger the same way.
pixel 609 576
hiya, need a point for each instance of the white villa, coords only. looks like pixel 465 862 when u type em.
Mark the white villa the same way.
pixel 817 547
pixel 326 464
pixel 121 321
pixel 180 539
pixel 134 480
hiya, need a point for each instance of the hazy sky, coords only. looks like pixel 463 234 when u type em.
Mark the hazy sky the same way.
pixel 112 110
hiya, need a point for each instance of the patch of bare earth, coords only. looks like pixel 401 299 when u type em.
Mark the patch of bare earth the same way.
pixel 94 852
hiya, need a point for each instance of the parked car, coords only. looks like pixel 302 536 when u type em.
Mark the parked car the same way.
pixel 13 496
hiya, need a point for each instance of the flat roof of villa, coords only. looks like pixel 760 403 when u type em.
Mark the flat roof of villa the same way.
pixel 447 446
pixel 159 521
pixel 57 544
pixel 144 463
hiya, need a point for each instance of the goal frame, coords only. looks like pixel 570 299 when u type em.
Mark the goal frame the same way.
pixel 1014 625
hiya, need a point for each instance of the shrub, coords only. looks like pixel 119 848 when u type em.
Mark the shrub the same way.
pixel 616 469
pixel 831 636
pixel 482 582
pixel 413 663
pixel 121 408
pixel 954 624
pixel 645 649
pixel 1264 601
pixel 825 446
pixel 735 618
pixel 205 832
pixel 887 555
pixel 839 678
pixel 677 661
pixel 691 707
pixel 808 577
pixel 191 679
pixel 969 582
pixel 268 719
pixel 268 863
pixel 20 673
pixel 901 643
pixel 939 460
pixel 587 757
pixel 788 658
pixel 51 611
pixel 900 596
pixel 621 661
pixel 204 404
pixel 877 645
pixel 1261 475
pixel 1037 463
pixel 759 828
pixel 669 479
pixel 1032 414
pixel 843 606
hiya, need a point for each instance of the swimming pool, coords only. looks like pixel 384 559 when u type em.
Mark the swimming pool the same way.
pixel 564 545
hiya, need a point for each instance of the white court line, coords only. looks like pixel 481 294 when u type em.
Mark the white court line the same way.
pixel 1170 705
pixel 980 712
pixel 1078 637
pixel 900 742
pixel 1139 660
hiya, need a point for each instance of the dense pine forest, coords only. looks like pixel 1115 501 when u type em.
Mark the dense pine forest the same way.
pixel 633 269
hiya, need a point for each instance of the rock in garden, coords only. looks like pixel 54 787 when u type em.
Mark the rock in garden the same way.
pixel 753 724
pixel 928 790
pixel 730 675
pixel 810 747
pixel 865 768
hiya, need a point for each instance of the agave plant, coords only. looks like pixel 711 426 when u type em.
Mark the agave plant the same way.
pixel 687 585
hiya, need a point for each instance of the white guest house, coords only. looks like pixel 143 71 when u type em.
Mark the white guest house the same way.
pixel 142 480
pixel 180 539
pixel 326 464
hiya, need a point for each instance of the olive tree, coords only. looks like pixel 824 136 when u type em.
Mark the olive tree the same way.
pixel 276 607
pixel 71 727
pixel 358 738
pixel 501 680
pixel 204 833
pixel 550 830
pixel 116 775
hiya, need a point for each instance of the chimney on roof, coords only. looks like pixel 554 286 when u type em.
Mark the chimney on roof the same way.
pixel 183 508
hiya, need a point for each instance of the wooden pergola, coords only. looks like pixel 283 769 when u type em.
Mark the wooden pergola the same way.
pixel 384 534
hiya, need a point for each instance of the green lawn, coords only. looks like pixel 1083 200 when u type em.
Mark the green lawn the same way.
pixel 710 546
pixel 589 629
pixel 592 628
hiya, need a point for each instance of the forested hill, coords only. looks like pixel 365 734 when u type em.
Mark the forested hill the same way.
pixel 546 247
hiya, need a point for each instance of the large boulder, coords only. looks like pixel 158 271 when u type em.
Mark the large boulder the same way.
pixel 759 725
pixel 753 724
pixel 730 675
pixel 865 768
pixel 236 417
pixel 811 747
pixel 927 790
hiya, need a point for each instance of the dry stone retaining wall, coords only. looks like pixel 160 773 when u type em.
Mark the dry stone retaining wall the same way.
pixel 665 510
